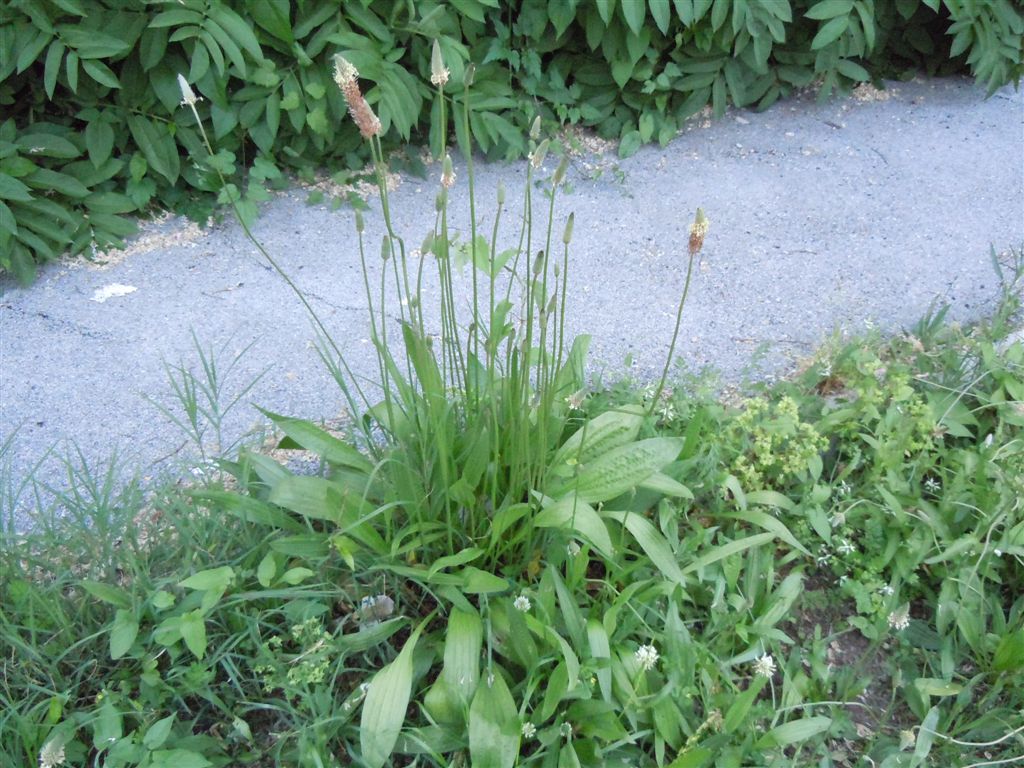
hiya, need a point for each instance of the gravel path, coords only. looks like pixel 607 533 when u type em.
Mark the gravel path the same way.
pixel 823 217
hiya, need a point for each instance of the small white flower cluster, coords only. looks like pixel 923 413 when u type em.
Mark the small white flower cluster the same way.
pixel 932 485
pixel 52 754
pixel 900 618
pixel 646 657
pixel 573 548
pixel 529 730
pixel 764 665
pixel 522 603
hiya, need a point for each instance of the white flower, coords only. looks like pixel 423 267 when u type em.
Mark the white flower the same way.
pixel 764 666
pixel 646 657
pixel 529 730
pixel 52 754
pixel 522 603
pixel 188 96
pixel 572 549
pixel 932 485
pixel 843 489
pixel 439 73
pixel 846 548
pixel 886 591
pixel 900 618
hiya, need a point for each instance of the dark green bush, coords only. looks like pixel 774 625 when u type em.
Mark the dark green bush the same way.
pixel 93 128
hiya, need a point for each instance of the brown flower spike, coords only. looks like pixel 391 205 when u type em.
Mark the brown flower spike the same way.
pixel 698 231
pixel 345 75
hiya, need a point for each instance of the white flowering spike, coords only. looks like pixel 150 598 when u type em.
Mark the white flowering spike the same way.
pixel 646 657
pixel 447 173
pixel 438 71
pixel 522 603
pixel 188 96
pixel 764 666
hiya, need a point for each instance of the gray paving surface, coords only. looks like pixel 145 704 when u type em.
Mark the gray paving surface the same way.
pixel 822 217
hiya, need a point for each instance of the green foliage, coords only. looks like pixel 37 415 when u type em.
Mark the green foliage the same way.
pixel 94 129
pixel 495 567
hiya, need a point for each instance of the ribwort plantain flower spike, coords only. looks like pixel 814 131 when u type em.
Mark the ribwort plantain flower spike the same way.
pixel 538 263
pixel 360 224
pixel 538 155
pixel 439 73
pixel 188 96
pixel 470 75
pixel 698 231
pixel 560 171
pixel 447 173
pixel 535 128
pixel 345 75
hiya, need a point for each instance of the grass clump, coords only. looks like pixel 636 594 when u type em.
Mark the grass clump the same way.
pixel 496 567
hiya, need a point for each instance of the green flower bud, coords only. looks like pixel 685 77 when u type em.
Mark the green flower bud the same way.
pixel 538 155
pixel 560 171
pixel 567 236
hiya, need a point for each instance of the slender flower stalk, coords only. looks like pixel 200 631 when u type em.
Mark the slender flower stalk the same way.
pixel 698 231
pixel 190 99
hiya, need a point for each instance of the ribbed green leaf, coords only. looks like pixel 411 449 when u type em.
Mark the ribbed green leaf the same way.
pixel 609 430
pixel 653 543
pixel 322 443
pixel 623 468
pixel 728 550
pixel 247 508
pixel 494 728
pixel 576 515
pixel 794 731
pixel 385 705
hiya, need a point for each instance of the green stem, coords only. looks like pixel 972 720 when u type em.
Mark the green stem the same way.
pixel 675 336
